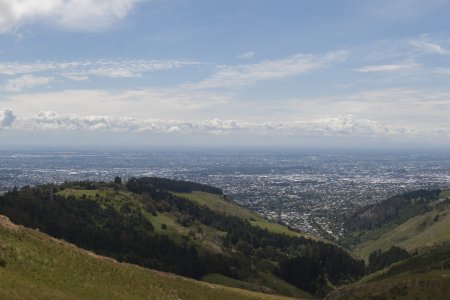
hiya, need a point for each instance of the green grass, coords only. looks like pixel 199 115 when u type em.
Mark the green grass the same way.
pixel 231 282
pixel 275 227
pixel 264 283
pixel 418 232
pixel 103 197
pixel 219 204
pixel 40 267
pixel 445 194
pixel 430 285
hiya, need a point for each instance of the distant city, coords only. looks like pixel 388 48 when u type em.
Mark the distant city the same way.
pixel 305 190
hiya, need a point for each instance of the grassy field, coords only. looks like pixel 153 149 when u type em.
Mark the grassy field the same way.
pixel 418 232
pixel 217 203
pixel 35 266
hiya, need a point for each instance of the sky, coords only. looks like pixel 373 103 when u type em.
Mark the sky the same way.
pixel 348 73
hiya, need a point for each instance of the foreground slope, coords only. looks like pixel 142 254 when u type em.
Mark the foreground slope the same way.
pixel 36 266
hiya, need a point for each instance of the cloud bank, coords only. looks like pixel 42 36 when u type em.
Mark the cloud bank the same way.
pixel 77 15
pixel 335 126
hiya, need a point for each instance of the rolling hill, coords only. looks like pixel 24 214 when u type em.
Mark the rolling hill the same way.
pixel 34 265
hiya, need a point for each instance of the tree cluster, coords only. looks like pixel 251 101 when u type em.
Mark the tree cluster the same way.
pixel 379 260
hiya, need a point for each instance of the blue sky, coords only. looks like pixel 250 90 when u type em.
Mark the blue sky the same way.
pixel 287 72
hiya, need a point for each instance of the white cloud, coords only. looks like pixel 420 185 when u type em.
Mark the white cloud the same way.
pixel 79 15
pixel 7 118
pixel 246 55
pixel 430 48
pixel 244 75
pixel 81 70
pixel 25 82
pixel 335 126
pixel 387 68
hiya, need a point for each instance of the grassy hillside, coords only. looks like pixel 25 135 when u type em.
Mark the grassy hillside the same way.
pixel 269 280
pixel 418 232
pixel 425 229
pixel 423 276
pixel 430 285
pixel 425 234
pixel 36 266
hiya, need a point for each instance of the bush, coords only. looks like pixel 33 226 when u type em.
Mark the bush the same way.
pixel 2 262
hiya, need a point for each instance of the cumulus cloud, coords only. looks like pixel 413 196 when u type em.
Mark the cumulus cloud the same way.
pixel 7 118
pixel 244 75
pixel 78 15
pixel 387 68
pixel 336 126
pixel 81 70
pixel 25 82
